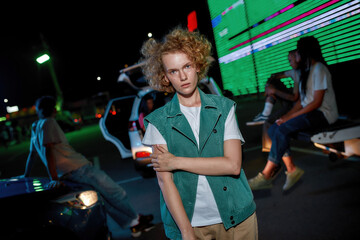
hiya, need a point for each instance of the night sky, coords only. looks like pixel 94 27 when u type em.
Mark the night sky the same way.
pixel 85 41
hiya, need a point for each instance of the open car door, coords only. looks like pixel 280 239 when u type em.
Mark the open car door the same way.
pixel 115 123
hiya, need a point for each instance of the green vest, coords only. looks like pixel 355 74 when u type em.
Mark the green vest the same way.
pixel 232 194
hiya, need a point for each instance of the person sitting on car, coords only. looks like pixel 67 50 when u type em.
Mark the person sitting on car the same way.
pixel 62 162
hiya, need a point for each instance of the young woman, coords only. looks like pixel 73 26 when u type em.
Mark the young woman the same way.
pixel 316 107
pixel 196 146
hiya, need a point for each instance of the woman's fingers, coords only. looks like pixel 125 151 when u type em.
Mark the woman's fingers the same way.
pixel 161 149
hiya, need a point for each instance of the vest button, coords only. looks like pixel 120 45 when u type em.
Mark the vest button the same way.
pixel 214 131
pixel 225 188
pixel 232 222
pixel 231 217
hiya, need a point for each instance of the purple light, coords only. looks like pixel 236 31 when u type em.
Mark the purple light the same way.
pixel 287 23
pixel 286 8
pixel 279 12
pixel 272 16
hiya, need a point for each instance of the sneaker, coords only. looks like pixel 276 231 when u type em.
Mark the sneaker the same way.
pixel 146 218
pixel 260 182
pixel 276 172
pixel 144 225
pixel 292 178
pixel 258 120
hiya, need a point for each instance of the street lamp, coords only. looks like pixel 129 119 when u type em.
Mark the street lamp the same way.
pixel 46 58
pixel 59 97
pixel 43 58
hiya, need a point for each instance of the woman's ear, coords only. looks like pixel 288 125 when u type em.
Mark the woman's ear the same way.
pixel 166 79
pixel 197 69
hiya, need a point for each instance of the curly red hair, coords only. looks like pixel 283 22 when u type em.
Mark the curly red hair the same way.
pixel 193 44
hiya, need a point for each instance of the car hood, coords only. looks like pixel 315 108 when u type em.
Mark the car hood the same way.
pixel 18 186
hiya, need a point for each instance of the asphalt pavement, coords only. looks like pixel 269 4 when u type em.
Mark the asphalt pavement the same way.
pixel 325 204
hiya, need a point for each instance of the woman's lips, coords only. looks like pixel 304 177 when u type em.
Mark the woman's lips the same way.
pixel 185 85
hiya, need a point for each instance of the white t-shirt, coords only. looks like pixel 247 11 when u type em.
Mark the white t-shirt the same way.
pixel 320 79
pixel 48 131
pixel 205 211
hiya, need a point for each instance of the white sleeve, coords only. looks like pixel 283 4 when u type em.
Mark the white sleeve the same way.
pixel 152 136
pixel 320 77
pixel 232 130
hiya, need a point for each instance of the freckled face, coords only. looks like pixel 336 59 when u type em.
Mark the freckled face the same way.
pixel 181 72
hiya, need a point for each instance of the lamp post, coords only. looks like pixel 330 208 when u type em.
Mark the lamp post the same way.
pixel 45 58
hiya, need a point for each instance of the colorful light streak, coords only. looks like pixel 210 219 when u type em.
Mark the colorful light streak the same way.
pixel 217 19
pixel 232 7
pixel 279 12
pixel 325 19
pixel 287 23
pixel 266 19
pixel 246 69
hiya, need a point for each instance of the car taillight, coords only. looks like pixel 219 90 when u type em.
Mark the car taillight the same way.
pixel 142 154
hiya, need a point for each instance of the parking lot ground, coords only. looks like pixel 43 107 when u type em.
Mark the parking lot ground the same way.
pixel 325 204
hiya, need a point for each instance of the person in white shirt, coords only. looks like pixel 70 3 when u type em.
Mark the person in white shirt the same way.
pixel 315 108
pixel 276 90
pixel 62 162
pixel 196 146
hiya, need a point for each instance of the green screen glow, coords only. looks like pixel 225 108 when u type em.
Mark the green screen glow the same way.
pixel 253 37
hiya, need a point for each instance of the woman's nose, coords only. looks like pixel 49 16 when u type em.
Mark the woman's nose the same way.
pixel 183 75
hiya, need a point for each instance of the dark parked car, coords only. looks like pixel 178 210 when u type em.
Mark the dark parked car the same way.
pixel 31 210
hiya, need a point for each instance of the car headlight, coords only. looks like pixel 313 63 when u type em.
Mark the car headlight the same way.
pixel 88 198
pixel 80 200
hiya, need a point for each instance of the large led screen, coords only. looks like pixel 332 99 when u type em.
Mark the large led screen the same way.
pixel 253 37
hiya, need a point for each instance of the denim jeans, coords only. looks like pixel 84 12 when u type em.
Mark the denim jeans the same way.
pixel 281 135
pixel 117 204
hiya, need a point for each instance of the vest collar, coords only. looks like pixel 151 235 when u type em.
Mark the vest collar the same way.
pixel 206 102
pixel 209 117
